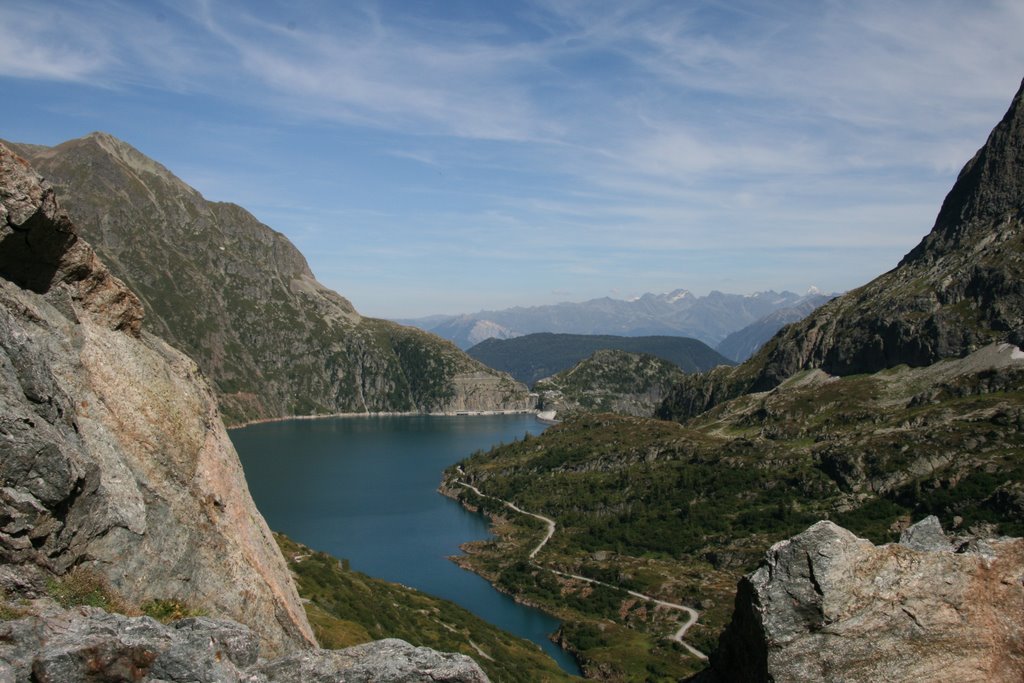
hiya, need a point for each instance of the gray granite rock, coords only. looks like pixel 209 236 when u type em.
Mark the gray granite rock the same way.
pixel 112 452
pixel 926 535
pixel 826 605
pixel 88 644
pixel 392 660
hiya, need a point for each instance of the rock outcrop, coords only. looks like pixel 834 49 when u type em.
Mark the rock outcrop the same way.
pixel 53 645
pixel 960 289
pixel 113 455
pixel 826 605
pixel 240 299
pixel 610 381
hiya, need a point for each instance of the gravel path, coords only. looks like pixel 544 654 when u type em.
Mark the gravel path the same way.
pixel 677 636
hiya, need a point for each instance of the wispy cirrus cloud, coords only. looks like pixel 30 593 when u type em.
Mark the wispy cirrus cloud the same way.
pixel 612 134
pixel 32 46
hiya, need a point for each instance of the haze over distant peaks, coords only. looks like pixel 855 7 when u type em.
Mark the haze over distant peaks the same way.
pixel 679 313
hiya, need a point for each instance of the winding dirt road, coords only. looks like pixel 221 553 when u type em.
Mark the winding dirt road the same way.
pixel 677 636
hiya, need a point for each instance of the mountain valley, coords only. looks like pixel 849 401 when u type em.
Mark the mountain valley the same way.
pixel 899 400
pixel 636 446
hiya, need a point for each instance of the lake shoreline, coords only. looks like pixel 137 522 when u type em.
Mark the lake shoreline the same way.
pixel 366 490
pixel 411 413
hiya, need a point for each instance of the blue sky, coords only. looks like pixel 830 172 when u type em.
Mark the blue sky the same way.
pixel 446 157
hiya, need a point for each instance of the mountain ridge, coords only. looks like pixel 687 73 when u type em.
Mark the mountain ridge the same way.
pixel 948 297
pixel 238 297
pixel 743 343
pixel 680 313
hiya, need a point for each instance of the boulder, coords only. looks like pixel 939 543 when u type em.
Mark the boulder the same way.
pixel 826 605
pixel 88 644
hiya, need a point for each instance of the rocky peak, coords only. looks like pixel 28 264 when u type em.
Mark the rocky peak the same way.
pixel 826 605
pixel 959 290
pixel 132 159
pixel 989 191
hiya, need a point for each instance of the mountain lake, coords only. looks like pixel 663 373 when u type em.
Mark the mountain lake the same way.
pixel 365 489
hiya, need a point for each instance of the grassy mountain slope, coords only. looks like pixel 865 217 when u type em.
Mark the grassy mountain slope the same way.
pixel 535 356
pixel 240 299
pixel 681 511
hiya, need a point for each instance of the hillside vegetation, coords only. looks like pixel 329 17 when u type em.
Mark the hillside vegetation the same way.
pixel 681 511
pixel 348 608
pixel 609 381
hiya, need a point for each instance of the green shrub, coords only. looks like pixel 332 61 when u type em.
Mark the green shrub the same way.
pixel 166 610
pixel 83 586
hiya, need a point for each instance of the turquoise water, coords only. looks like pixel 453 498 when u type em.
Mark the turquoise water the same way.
pixel 366 489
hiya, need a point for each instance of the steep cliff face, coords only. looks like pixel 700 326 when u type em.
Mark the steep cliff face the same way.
pixel 113 455
pixel 960 289
pixel 241 300
pixel 826 605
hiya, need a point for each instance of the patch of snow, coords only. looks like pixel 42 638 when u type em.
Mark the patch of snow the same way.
pixel 486 329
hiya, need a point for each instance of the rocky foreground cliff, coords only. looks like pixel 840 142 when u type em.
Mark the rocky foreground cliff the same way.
pixel 113 453
pixel 240 299
pixel 115 468
pixel 826 605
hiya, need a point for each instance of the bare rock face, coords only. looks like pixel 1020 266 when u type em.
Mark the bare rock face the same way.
pixel 87 644
pixel 485 390
pixel 392 660
pixel 112 451
pixel 826 605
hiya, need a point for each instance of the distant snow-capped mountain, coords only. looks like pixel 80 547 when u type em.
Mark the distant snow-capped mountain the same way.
pixel 709 318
